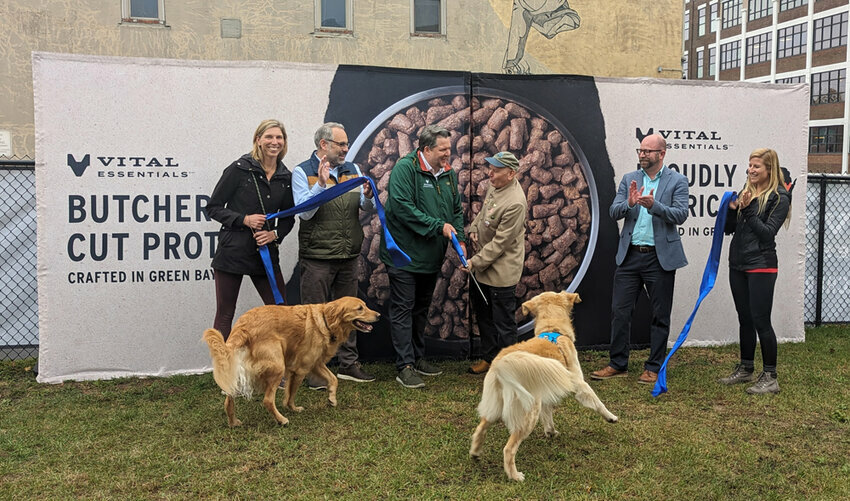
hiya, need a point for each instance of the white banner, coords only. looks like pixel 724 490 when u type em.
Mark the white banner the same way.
pixel 128 149
pixel 126 152
pixel 711 129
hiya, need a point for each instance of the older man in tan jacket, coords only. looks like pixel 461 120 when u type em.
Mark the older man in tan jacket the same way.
pixel 498 237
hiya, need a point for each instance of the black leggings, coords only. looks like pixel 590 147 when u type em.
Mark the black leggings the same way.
pixel 753 295
pixel 227 292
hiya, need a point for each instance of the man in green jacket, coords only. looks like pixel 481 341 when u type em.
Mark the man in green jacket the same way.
pixel 423 210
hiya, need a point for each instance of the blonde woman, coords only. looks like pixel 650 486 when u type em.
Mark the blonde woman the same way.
pixel 256 184
pixel 755 218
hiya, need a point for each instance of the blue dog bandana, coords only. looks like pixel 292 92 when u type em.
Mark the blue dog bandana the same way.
pixel 552 337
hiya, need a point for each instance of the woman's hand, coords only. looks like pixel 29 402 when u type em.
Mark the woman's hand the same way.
pixel 264 237
pixel 744 199
pixel 254 221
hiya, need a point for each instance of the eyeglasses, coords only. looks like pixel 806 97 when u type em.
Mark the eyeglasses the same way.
pixel 343 144
pixel 647 152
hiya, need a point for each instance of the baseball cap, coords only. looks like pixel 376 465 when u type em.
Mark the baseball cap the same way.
pixel 504 159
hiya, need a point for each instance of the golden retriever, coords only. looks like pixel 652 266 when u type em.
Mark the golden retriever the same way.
pixel 272 342
pixel 528 379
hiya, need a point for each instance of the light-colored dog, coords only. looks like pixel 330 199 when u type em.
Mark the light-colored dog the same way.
pixel 528 379
pixel 269 343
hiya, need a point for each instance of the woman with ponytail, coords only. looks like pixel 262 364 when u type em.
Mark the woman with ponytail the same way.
pixel 762 206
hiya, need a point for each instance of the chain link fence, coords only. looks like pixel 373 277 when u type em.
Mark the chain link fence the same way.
pixel 18 289
pixel 827 284
pixel 827 280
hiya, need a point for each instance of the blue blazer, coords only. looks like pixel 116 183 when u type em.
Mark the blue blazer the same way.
pixel 669 210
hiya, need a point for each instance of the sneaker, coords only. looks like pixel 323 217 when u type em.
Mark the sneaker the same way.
pixel 608 372
pixel 739 375
pixel 409 379
pixel 315 383
pixel 765 384
pixel 355 373
pixel 426 369
pixel 479 367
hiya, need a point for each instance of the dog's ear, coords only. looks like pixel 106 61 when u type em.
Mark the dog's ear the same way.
pixel 529 307
pixel 574 297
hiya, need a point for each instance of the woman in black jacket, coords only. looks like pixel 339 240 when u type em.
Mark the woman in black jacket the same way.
pixel 256 184
pixel 754 218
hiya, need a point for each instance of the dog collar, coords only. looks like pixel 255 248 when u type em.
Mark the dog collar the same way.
pixel 552 337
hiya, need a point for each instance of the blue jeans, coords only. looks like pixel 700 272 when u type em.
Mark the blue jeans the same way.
pixel 410 298
pixel 641 270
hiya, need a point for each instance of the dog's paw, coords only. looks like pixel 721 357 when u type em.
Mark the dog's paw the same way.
pixel 332 402
pixel 518 476
pixel 475 456
pixel 551 433
pixel 296 408
pixel 283 421
pixel 235 423
pixel 612 419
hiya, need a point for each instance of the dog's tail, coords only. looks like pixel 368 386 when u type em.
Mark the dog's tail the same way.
pixel 224 368
pixel 516 381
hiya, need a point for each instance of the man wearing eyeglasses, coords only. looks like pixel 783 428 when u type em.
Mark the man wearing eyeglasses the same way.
pixel 330 237
pixel 653 201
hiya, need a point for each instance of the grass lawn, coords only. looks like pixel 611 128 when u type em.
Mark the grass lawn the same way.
pixel 168 438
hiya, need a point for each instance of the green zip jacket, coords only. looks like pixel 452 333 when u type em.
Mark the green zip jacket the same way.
pixel 418 204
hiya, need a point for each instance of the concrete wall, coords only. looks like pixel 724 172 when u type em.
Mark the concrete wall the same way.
pixel 627 38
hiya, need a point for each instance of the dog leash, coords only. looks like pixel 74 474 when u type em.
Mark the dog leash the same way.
pixel 708 278
pixel 397 255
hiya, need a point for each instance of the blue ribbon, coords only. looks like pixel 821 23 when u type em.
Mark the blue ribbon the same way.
pixel 398 256
pixel 708 278
pixel 459 250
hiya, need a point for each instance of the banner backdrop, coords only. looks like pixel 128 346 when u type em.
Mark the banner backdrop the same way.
pixel 129 149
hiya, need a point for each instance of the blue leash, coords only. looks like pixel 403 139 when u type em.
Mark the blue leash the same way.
pixel 708 278
pixel 398 256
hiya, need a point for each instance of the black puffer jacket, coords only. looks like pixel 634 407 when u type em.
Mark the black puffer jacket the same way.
pixel 754 241
pixel 234 197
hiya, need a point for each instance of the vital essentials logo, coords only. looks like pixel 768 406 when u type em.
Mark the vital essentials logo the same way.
pixel 686 139
pixel 127 166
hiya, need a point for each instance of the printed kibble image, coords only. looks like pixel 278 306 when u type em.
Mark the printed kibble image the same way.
pixel 559 199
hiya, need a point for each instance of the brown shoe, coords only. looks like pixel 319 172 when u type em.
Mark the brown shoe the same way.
pixel 607 373
pixel 479 367
pixel 648 377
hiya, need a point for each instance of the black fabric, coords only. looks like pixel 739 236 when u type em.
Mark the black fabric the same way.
pixel 753 244
pixel 496 321
pixel 234 197
pixel 753 295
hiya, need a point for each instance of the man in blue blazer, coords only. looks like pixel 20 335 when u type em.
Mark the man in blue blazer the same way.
pixel 653 201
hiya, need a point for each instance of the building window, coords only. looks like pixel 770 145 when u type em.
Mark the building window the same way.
pixel 686 30
pixel 828 139
pixel 712 61
pixel 701 21
pixel 760 9
pixel 830 31
pixel 791 41
pixel 700 62
pixel 143 11
pixel 791 80
pixel 731 10
pixel 428 17
pixel 828 87
pixel 758 48
pixel 333 16
pixel 730 55
pixel 791 4
pixel 685 70
pixel 712 20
